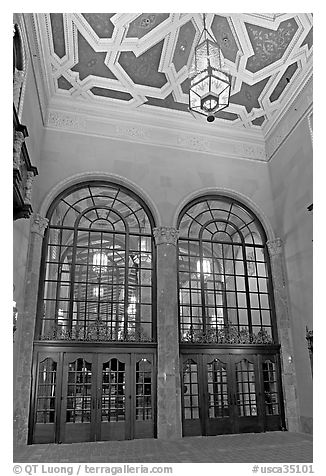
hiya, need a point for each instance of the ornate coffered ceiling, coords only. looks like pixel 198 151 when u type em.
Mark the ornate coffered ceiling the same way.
pixel 136 65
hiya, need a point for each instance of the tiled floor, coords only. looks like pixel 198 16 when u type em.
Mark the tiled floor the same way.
pixel 274 447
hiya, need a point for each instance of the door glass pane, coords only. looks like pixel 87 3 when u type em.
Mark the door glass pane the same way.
pixel 46 388
pixel 218 405
pixel 79 391
pixel 143 390
pixel 190 390
pixel 270 388
pixel 246 388
pixel 113 391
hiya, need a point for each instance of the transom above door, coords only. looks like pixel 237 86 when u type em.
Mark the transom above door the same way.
pixel 225 393
pixel 93 396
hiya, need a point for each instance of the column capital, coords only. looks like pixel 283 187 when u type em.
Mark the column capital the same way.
pixel 166 235
pixel 39 224
pixel 275 247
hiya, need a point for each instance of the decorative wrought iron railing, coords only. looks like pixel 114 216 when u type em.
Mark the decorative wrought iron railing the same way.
pixel 96 331
pixel 229 334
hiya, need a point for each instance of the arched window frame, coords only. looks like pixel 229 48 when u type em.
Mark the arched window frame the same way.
pixel 130 258
pixel 229 332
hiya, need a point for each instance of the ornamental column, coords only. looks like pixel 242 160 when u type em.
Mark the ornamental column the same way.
pixel 27 327
pixel 169 423
pixel 275 248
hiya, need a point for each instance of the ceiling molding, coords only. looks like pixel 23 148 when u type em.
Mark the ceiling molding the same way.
pixel 219 145
pixel 158 112
pixel 300 109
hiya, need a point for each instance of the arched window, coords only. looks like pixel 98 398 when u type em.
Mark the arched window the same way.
pixel 97 267
pixel 225 290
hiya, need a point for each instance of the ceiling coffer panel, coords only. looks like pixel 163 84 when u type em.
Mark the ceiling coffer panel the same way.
pixel 143 59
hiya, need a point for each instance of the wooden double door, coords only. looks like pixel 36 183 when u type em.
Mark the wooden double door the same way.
pixel 230 393
pixel 92 396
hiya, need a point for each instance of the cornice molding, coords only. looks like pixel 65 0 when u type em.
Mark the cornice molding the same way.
pixel 65 121
pixel 220 145
pixel 299 110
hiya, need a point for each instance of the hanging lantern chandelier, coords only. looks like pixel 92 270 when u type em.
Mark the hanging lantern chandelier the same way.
pixel 210 84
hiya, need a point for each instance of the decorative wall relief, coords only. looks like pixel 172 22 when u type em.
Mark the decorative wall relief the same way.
pixel 250 151
pixel 133 132
pixel 65 121
pixel 194 142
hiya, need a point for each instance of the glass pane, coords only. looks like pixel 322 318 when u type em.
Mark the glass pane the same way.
pixel 271 398
pixel 144 409
pixel 246 388
pixel 218 403
pixel 79 392
pixel 46 391
pixel 190 390
pixel 113 391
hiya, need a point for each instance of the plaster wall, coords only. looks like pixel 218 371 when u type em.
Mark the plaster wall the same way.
pixel 168 176
pixel 292 187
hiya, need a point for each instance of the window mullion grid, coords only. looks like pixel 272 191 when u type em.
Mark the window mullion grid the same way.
pixel 258 290
pixel 190 293
pixel 100 280
pixel 223 291
pixel 126 286
pixel 244 252
pixel 235 285
pixel 88 261
pixel 72 277
pixel 214 281
pixel 111 274
pixel 138 287
pixel 270 294
pixel 59 275
pixel 202 286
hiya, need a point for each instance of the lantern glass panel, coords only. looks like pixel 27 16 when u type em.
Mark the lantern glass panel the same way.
pixel 224 97
pixel 199 77
pixel 194 99
pixel 214 55
pixel 202 88
pixel 217 86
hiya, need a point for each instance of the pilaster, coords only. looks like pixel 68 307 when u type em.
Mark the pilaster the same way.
pixel 26 336
pixel 275 248
pixel 168 381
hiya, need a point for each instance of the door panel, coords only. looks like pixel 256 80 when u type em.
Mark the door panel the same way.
pixel 230 393
pixel 219 414
pixel 45 413
pixel 248 417
pixel 192 424
pixel 93 396
pixel 114 400
pixel 78 398
pixel 271 394
pixel 144 396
